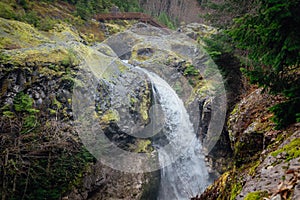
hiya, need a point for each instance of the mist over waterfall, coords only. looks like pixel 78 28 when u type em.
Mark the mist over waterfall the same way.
pixel 183 170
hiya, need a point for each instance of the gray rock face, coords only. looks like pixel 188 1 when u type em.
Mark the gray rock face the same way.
pixel 178 60
pixel 185 65
pixel 274 175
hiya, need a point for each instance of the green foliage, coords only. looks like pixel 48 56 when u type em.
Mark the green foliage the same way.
pixel 23 110
pixel 31 18
pixel 190 70
pixel 51 177
pixel 272 40
pixel 24 4
pixel 235 190
pixel 46 24
pixel 165 19
pixel 218 45
pixel 83 9
pixel 87 8
pixel 6 11
pixel 221 49
pixel 8 114
pixel 127 5
pixel 221 13
pixel 23 106
pixel 23 103
pixel 286 113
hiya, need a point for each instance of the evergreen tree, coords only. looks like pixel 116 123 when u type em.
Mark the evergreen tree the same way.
pixel 272 41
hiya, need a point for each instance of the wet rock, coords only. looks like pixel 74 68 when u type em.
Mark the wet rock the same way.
pixel 277 197
pixel 178 60
pixel 51 66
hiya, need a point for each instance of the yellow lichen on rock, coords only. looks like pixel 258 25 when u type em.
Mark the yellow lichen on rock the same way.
pixel 16 34
pixel 44 54
pixel 144 106
pixel 143 146
pixel 64 32
pixel 110 116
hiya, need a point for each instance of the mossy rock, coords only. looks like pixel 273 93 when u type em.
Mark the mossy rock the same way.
pixel 48 54
pixel 65 32
pixel 258 195
pixel 291 150
pixel 15 34
pixel 110 116
pixel 145 103
pixel 142 146
pixel 248 146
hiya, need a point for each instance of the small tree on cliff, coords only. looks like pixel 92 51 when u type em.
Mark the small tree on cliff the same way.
pixel 272 40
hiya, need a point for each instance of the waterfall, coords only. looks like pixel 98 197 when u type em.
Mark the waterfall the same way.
pixel 183 170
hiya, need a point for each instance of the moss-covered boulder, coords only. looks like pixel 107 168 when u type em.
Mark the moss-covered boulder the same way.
pixel 15 34
pixel 39 73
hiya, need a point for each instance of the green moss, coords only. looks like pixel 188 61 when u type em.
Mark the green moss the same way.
pixel 15 34
pixel 70 59
pixel 48 72
pixel 8 114
pixel 190 70
pixel 235 190
pixel 145 103
pixel 178 89
pixel 59 56
pixel 133 100
pixel 253 168
pixel 110 115
pixel 235 109
pixel 258 195
pixel 143 146
pixel 4 58
pixel 56 103
pixel 64 32
pixel 292 150
pixel 7 43
pixel 122 68
pixel 52 112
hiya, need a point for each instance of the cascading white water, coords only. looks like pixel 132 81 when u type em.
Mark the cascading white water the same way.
pixel 184 173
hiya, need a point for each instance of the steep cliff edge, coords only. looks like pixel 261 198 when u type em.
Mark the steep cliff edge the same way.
pixel 266 160
pixel 43 153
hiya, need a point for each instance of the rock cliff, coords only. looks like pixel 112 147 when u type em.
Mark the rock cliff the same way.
pixel 266 160
pixel 48 80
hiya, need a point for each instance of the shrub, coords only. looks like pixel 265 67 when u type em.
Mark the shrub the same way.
pixel 6 11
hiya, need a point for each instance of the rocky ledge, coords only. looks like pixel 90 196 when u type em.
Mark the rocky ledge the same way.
pixel 43 149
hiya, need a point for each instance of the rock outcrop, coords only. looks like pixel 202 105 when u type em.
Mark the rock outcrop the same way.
pixel 266 160
pixel 37 85
pixel 48 85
